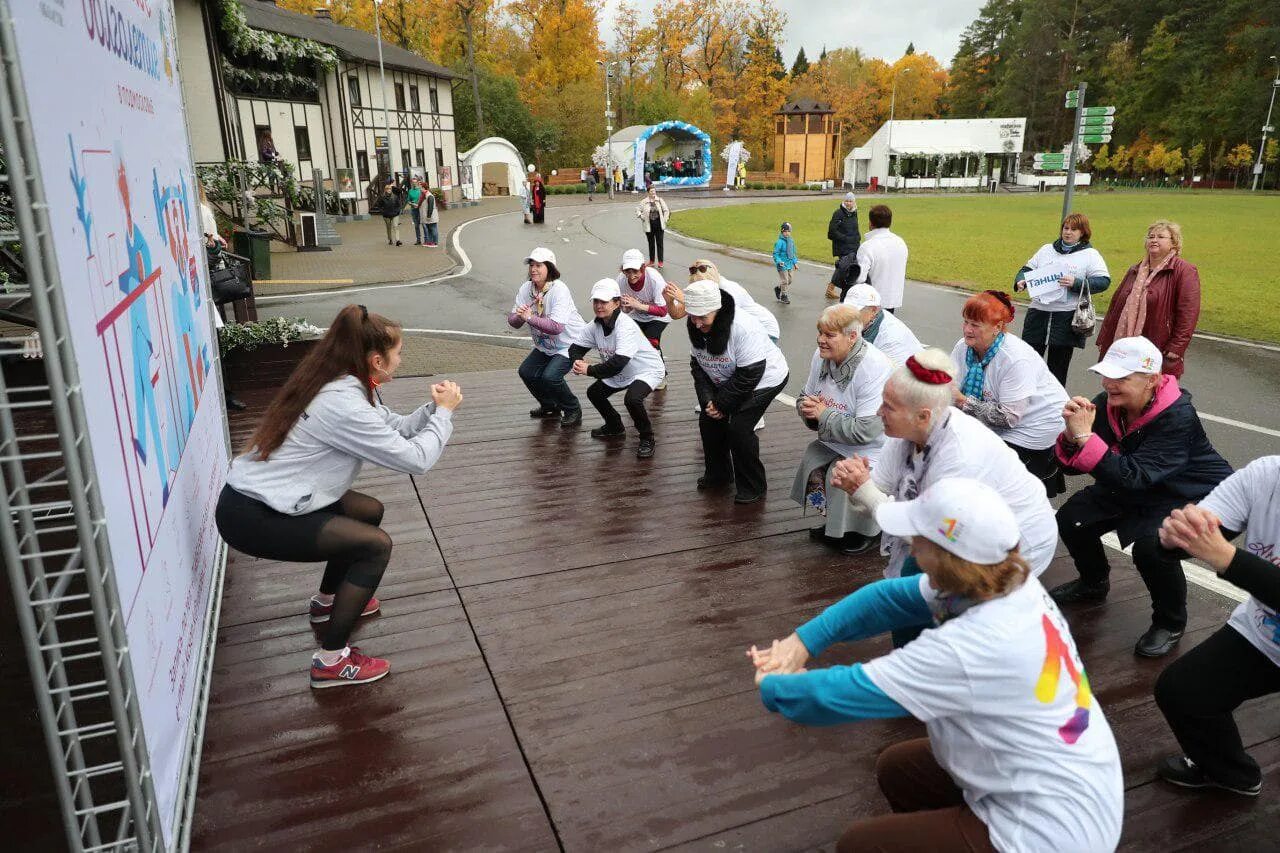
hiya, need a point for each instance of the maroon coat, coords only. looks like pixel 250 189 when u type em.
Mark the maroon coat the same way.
pixel 1173 307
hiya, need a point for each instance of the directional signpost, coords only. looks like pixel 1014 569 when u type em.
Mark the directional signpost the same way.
pixel 1092 127
pixel 1050 161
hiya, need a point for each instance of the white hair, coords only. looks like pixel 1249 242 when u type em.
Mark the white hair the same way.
pixel 830 320
pixel 923 395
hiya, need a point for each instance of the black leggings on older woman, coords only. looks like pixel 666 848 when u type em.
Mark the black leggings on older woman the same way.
pixel 345 535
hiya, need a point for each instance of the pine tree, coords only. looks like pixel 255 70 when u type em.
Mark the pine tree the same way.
pixel 911 48
pixel 800 66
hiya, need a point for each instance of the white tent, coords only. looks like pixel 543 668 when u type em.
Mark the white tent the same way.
pixel 1000 139
pixel 493 162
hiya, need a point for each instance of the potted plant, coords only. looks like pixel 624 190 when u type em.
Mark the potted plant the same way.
pixel 261 351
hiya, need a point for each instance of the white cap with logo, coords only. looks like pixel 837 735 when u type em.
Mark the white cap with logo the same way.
pixel 1129 355
pixel 965 517
pixel 862 296
pixel 632 259
pixel 605 289
pixel 541 255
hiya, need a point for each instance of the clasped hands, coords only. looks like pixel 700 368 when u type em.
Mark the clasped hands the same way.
pixel 812 407
pixel 446 395
pixel 849 474
pixel 783 657
pixel 1198 531
pixel 1078 415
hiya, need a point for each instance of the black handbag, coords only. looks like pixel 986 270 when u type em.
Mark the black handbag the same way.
pixel 229 283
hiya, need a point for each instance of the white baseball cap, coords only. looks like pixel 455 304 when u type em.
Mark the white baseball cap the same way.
pixel 701 298
pixel 965 517
pixel 1129 355
pixel 605 289
pixel 542 256
pixel 862 296
pixel 632 259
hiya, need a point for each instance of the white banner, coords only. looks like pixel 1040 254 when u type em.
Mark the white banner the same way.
pixel 101 81
pixel 732 153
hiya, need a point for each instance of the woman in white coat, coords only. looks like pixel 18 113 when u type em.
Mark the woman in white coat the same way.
pixel 653 214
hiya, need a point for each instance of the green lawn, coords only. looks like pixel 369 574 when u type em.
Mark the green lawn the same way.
pixel 981 241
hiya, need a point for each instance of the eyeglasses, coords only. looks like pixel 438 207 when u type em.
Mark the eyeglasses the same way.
pixel 698 268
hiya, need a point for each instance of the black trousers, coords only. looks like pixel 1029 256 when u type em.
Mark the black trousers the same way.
pixel 1057 357
pixel 599 394
pixel 1082 521
pixel 654 236
pixel 730 449
pixel 1198 693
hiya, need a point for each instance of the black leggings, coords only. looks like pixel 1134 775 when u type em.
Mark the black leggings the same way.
pixel 1198 694
pixel 1058 358
pixel 344 534
pixel 599 394
pixel 654 236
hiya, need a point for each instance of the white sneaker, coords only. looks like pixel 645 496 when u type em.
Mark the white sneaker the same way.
pixel 662 386
pixel 759 425
pixel 697 409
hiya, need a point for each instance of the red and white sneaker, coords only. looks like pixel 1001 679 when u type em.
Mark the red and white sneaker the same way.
pixel 354 668
pixel 322 612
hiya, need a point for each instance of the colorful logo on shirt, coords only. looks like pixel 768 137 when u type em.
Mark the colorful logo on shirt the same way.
pixel 948 529
pixel 1057 652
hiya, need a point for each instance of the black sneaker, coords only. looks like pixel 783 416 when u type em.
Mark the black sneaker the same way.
pixel 852 544
pixel 609 431
pixel 777 293
pixel 704 483
pixel 819 533
pixel 1076 591
pixel 1157 642
pixel 785 300
pixel 647 446
pixel 543 412
pixel 1183 772
pixel 571 419
pixel 748 499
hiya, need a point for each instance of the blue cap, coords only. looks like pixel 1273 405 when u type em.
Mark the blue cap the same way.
pixel 786 226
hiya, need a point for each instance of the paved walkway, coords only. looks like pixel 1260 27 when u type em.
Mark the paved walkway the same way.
pixel 365 258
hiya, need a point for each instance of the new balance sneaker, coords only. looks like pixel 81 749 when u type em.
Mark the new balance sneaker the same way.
pixel 353 668
pixel 322 612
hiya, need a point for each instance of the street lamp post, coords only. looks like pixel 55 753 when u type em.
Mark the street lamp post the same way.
pixel 893 102
pixel 382 75
pixel 608 123
pixel 1266 127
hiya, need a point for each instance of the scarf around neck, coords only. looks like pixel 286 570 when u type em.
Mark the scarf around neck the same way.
pixel 873 328
pixel 843 373
pixel 972 386
pixel 1063 249
pixel 1133 317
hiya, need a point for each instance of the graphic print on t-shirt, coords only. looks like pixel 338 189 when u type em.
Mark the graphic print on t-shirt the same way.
pixel 1057 652
pixel 1267 619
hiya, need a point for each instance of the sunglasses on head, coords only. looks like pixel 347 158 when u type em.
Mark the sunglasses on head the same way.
pixel 698 268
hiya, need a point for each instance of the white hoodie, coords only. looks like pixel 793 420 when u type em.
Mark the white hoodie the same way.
pixel 338 432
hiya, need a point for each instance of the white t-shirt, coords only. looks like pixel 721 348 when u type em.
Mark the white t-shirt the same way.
pixel 882 257
pixel 895 339
pixel 1016 375
pixel 626 339
pixel 748 344
pixel 1249 501
pixel 745 302
pixel 650 294
pixel 1010 716
pixel 859 399
pixel 1085 263
pixel 557 305
pixel 963 447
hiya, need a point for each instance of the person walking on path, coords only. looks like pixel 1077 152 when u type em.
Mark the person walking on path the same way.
pixel 545 303
pixel 390 203
pixel 288 496
pixel 1198 692
pixel 1047 329
pixel 784 260
pixel 1142 442
pixel 628 363
pixel 845 238
pixel 592 178
pixel 1159 299
pixel 414 199
pixel 653 213
pixel 526 201
pixel 1018 754
pixel 430 219
pixel 882 260
pixel 737 371
pixel 538 199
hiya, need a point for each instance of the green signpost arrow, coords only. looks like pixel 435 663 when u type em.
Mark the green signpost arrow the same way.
pixel 1095 138
pixel 1099 111
pixel 1091 121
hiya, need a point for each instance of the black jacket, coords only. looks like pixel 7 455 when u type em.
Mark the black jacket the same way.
pixel 843 232
pixel 390 204
pixel 730 396
pixel 1167 461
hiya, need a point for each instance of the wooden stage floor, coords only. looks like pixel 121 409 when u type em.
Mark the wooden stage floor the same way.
pixel 566 627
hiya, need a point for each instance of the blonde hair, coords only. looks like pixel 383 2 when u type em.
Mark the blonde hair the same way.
pixel 1175 232
pixel 975 581
pixel 936 398
pixel 712 273
pixel 844 319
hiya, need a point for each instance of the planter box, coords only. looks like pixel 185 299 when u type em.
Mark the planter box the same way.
pixel 256 375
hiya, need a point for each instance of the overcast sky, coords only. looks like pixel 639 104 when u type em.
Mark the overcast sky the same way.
pixel 879 29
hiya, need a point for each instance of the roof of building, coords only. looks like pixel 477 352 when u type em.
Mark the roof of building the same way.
pixel 349 42
pixel 804 106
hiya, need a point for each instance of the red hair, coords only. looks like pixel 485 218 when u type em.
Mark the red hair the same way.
pixel 1080 222
pixel 989 306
